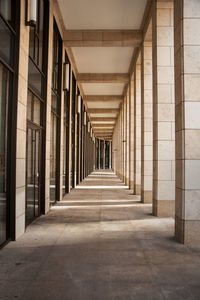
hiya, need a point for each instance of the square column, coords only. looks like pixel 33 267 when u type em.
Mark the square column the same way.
pixel 131 134
pixel 137 128
pixel 104 154
pixel 127 138
pixel 147 124
pixel 187 100
pixel 20 208
pixel 163 110
pixel 122 142
pixel 120 145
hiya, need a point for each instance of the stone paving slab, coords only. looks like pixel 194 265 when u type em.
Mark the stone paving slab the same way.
pixel 98 244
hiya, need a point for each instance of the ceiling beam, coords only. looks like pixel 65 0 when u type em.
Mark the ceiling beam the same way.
pixel 102 110
pixel 103 77
pixel 102 98
pixel 103 135
pixel 103 130
pixel 103 125
pixel 102 119
pixel 102 38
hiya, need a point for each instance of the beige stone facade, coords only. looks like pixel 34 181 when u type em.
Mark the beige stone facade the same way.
pixel 148 112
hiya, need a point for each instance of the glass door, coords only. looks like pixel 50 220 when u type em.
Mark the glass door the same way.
pixel 53 158
pixel 4 83
pixel 33 174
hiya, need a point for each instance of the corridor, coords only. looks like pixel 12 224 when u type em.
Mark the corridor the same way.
pixel 99 243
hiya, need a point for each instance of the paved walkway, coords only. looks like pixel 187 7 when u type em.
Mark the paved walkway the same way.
pixel 99 243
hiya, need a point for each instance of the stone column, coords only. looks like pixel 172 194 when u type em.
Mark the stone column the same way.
pixel 122 141
pixel 147 122
pixel 131 134
pixel 21 126
pixel 127 138
pixel 163 110
pixel 187 100
pixel 137 127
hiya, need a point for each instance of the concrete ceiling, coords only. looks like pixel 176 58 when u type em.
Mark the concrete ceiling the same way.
pixel 107 104
pixel 103 88
pixel 102 14
pixel 112 59
pixel 103 59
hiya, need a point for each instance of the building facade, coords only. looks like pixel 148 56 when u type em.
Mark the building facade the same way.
pixel 51 137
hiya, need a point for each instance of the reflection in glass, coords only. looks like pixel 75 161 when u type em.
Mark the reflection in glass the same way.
pixel 32 191
pixel 101 154
pixel 33 109
pixel 5 43
pixel 54 100
pixel 4 77
pixel 35 78
pixel 107 148
pixel 40 34
pixel 53 154
pixel 97 154
pixel 5 9
pixel 55 112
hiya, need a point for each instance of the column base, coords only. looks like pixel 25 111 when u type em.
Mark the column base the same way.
pixel 119 175
pixel 137 189
pixel 131 185
pixel 146 196
pixel 164 208
pixel 127 181
pixel 187 231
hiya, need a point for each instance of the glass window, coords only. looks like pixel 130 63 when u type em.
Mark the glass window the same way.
pixel 34 109
pixel 35 78
pixel 40 34
pixel 33 171
pixel 4 80
pixel 53 156
pixel 36 37
pixel 54 102
pixel 6 43
pixel 5 9
pixel 55 108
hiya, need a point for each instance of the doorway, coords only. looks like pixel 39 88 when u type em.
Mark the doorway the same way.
pixel 33 185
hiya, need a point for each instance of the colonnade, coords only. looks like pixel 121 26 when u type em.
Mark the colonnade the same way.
pixel 158 128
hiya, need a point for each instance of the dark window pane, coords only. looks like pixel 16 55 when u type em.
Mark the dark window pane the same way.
pixel 29 107
pixel 54 102
pixel 30 175
pixel 36 113
pixel 33 171
pixel 6 41
pixel 34 109
pixel 32 43
pixel 35 78
pixel 53 155
pixel 5 9
pixel 40 33
pixel 4 77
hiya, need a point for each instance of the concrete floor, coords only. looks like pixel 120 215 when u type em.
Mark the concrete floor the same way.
pixel 99 243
